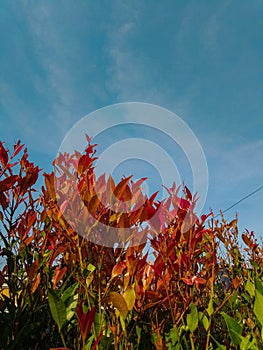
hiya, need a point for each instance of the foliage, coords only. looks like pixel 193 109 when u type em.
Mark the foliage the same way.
pixel 60 290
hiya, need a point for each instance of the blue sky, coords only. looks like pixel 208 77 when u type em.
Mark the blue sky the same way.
pixel 202 60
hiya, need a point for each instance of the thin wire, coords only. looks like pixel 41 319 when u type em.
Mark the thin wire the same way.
pixel 241 200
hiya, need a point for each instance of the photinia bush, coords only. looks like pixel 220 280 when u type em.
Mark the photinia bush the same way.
pixel 64 285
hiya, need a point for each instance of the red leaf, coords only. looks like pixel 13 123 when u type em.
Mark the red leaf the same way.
pixel 31 218
pixel 3 155
pixel 88 138
pixel 8 183
pixel 188 193
pixel 59 274
pixel 150 211
pixel 94 346
pixel 188 281
pixel 184 204
pixel 159 268
pixel 3 201
pixel 153 196
pixel 17 148
pixel 85 321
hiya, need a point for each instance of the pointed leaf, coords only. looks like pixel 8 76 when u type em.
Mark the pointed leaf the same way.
pixel 129 297
pixel 119 303
pixel 35 284
pixel 85 321
pixel 250 288
pixel 192 318
pixel 3 155
pixel 120 188
pixel 118 269
pixel 94 204
pixel 57 308
pixel 8 183
pixel 234 328
pixel 258 306
pixel 49 181
pixel 59 274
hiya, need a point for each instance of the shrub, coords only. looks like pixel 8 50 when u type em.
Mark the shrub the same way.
pixel 62 287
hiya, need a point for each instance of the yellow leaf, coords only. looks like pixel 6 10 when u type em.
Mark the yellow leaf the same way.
pixel 119 303
pixel 129 297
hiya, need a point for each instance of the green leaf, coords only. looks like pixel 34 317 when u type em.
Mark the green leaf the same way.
pixel 172 337
pixel 219 346
pixel 259 285
pixel 210 309
pixel 192 318
pixel 234 328
pixel 138 333
pixel 205 321
pixel 250 288
pixel 258 307
pixel 69 292
pixel 57 308
pixel 71 308
pixel 91 268
pixel 122 320
pixel 245 343
pixel 89 342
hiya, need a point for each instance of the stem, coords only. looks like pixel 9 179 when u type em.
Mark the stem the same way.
pixel 192 341
pixel 62 338
pixel 211 298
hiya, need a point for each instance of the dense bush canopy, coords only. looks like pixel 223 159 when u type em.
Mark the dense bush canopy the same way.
pixel 61 286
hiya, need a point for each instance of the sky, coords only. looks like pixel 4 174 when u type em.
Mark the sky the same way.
pixel 202 60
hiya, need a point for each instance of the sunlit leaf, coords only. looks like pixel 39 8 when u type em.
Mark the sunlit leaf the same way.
pixel 129 296
pixel 119 303
pixel 35 284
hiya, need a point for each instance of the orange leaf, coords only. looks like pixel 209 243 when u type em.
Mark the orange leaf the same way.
pixel 35 284
pixel 118 269
pixel 121 187
pixel 62 208
pixel 32 270
pixel 247 240
pixel 236 282
pixel 28 240
pixel 31 218
pixel 59 274
pixel 49 181
pixel 93 204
